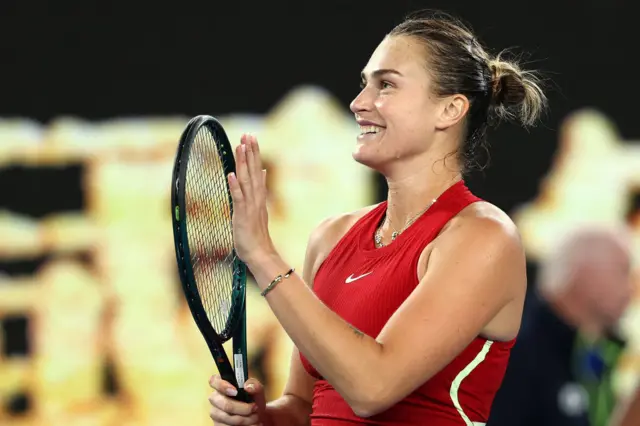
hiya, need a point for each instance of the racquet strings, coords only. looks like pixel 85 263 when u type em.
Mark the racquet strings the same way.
pixel 209 231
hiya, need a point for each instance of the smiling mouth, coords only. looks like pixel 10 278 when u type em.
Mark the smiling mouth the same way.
pixel 369 130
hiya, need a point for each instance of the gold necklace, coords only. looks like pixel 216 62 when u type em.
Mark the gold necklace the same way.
pixel 377 237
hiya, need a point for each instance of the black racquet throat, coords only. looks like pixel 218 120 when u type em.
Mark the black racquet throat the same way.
pixel 213 277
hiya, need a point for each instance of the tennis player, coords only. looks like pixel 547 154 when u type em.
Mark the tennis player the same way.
pixel 407 310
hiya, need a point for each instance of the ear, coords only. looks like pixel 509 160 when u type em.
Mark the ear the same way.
pixel 452 110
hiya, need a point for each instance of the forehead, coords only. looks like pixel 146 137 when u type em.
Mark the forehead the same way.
pixel 400 53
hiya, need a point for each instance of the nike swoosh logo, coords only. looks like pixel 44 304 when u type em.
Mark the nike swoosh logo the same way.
pixel 351 278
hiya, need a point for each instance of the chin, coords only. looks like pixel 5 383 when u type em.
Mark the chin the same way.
pixel 368 146
pixel 371 160
pixel 365 155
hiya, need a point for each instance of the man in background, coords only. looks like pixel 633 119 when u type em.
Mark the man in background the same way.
pixel 560 369
pixel 628 412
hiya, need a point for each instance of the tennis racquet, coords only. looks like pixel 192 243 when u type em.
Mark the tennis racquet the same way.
pixel 213 277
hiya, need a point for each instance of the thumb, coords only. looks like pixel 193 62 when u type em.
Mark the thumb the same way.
pixel 256 390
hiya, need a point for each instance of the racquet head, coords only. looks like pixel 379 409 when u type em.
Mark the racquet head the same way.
pixel 212 275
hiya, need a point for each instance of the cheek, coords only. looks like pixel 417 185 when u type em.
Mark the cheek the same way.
pixel 398 115
pixel 381 103
pixel 405 114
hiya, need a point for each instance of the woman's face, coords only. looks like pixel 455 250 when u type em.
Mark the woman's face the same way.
pixel 396 109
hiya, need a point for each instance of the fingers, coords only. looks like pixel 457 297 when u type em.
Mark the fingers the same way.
pixel 255 176
pixel 236 191
pixel 242 170
pixel 256 390
pixel 225 410
pixel 249 169
pixel 229 407
pixel 219 417
pixel 254 160
pixel 254 166
pixel 222 386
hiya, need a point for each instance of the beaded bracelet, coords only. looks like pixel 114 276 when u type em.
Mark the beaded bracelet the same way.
pixel 275 282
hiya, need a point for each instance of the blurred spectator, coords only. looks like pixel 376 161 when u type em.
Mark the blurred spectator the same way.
pixel 628 412
pixel 561 366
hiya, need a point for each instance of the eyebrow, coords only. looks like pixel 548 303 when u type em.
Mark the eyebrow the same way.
pixel 380 72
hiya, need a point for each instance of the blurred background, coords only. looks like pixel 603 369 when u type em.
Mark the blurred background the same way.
pixel 93 98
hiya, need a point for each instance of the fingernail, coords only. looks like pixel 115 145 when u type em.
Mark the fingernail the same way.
pixel 231 392
pixel 232 177
pixel 249 387
pixel 254 409
pixel 243 147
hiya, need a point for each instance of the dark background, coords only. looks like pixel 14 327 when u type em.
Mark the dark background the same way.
pixel 102 60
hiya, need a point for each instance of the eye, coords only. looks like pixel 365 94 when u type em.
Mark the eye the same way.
pixel 385 85
pixel 363 84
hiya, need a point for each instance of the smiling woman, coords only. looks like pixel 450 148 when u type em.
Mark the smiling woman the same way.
pixel 407 310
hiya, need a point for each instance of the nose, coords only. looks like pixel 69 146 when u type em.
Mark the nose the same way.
pixel 362 102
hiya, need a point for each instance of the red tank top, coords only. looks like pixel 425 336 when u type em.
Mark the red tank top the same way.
pixel 365 286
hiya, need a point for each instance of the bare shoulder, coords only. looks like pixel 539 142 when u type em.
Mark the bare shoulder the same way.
pixel 325 237
pixel 332 229
pixel 485 240
pixel 485 222
pixel 483 237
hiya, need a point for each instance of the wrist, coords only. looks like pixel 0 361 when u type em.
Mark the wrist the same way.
pixel 287 410
pixel 261 258
pixel 267 417
pixel 266 267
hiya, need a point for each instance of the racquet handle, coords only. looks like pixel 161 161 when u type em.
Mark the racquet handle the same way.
pixel 243 396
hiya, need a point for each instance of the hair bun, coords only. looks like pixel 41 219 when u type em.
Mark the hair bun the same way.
pixel 507 84
pixel 516 94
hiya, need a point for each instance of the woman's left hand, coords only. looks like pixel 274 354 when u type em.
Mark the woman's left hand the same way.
pixel 249 193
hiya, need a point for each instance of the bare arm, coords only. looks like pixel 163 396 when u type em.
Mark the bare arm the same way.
pixel 294 406
pixel 476 264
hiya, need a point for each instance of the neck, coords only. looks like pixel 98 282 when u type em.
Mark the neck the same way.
pixel 413 191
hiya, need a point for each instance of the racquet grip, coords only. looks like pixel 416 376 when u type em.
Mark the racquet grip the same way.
pixel 243 396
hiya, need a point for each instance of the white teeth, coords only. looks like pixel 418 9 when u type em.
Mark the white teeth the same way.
pixel 369 129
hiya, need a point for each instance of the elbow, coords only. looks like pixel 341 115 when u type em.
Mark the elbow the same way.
pixel 375 394
pixel 365 412
pixel 370 401
pixel 369 409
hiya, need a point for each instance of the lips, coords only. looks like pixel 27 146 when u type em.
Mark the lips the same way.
pixel 369 123
pixel 369 127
